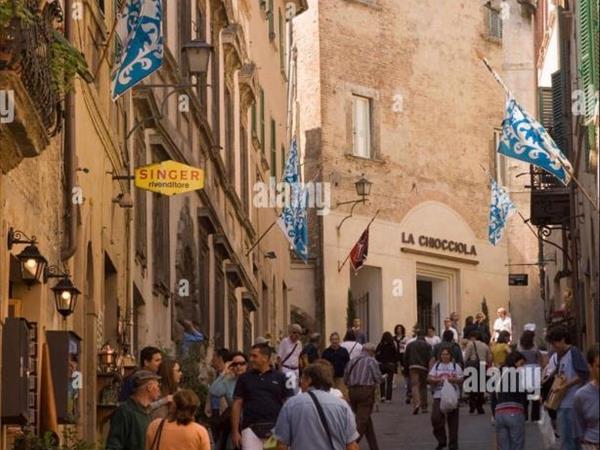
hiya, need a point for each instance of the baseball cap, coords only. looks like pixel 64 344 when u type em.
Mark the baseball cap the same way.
pixel 141 377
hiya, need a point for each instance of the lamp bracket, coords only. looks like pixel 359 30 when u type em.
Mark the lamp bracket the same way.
pixel 354 203
pixel 18 237
pixel 54 272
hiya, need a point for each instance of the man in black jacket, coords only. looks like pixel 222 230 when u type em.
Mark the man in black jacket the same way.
pixel 416 360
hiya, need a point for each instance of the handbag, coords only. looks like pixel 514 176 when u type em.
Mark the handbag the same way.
pixel 157 435
pixel 263 430
pixel 473 362
pixel 322 418
pixel 555 397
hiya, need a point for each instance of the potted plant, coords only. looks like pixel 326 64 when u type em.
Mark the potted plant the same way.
pixel 65 62
pixel 11 12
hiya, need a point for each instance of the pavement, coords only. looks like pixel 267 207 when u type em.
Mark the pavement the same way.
pixel 398 429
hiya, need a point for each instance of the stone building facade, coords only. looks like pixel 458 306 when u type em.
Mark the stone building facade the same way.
pixel 386 97
pixel 142 261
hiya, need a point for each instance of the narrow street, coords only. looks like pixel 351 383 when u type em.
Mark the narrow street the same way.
pixel 398 429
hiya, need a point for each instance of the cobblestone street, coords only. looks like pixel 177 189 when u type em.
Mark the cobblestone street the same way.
pixel 398 429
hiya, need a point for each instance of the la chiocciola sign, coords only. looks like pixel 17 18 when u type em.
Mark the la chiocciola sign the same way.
pixel 169 178
pixel 439 244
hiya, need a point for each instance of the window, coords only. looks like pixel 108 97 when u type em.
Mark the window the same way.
pixel 253 114
pixel 361 126
pixel 282 47
pixel 262 120
pixel 283 161
pixel 271 19
pixel 244 169
pixel 229 144
pixel 273 150
pixel 494 21
pixel 185 28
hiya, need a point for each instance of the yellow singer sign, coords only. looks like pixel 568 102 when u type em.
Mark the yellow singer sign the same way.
pixel 169 178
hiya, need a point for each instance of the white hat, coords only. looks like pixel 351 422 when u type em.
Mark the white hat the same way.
pixel 529 327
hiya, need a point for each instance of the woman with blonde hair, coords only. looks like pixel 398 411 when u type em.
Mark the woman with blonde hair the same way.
pixel 179 431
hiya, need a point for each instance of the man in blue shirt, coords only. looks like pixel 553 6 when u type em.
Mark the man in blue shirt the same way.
pixel 316 419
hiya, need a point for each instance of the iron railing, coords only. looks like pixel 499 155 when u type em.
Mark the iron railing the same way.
pixel 28 39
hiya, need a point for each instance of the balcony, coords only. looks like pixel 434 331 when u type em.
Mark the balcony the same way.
pixel 550 200
pixel 37 66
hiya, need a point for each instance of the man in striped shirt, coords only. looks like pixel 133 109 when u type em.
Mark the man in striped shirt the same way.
pixel 362 375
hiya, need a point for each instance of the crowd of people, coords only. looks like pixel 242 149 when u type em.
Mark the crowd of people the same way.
pixel 298 397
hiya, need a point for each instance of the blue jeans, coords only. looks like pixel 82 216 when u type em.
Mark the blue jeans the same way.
pixel 566 429
pixel 510 431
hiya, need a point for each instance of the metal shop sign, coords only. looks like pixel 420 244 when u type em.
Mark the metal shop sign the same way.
pixel 518 279
pixel 169 178
pixel 439 244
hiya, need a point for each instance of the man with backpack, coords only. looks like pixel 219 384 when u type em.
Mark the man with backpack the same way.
pixel 316 419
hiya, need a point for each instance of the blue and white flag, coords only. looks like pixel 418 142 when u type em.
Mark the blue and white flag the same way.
pixel 293 220
pixel 525 139
pixel 501 208
pixel 139 44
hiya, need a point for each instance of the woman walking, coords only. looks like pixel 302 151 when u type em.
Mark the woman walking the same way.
pixel 387 357
pixel 170 374
pixel 223 388
pixel 533 365
pixel 178 431
pixel 400 341
pixel 445 369
pixel 509 405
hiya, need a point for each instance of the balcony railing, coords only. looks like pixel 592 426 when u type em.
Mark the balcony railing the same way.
pixel 28 46
pixel 550 200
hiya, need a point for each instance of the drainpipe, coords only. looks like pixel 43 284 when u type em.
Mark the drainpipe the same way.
pixel 70 159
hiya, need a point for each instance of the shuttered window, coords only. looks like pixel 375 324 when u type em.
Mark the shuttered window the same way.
pixel 545 108
pixel 273 150
pixel 361 123
pixel 282 46
pixel 560 131
pixel 588 44
pixel 271 19
pixel 262 120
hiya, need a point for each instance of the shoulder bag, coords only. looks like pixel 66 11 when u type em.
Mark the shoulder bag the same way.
pixel 156 441
pixel 473 362
pixel 289 355
pixel 322 417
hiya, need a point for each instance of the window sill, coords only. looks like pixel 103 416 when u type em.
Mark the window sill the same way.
pixel 351 156
pixel 368 3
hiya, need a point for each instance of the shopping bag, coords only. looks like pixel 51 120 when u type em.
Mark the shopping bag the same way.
pixel 546 430
pixel 270 443
pixel 449 398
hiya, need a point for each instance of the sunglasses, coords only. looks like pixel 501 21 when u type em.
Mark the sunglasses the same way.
pixel 238 364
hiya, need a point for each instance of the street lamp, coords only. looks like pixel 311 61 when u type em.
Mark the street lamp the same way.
pixel 65 296
pixel 65 292
pixel 196 53
pixel 31 261
pixel 363 190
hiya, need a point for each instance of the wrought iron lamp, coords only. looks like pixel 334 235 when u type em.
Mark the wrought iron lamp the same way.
pixel 31 261
pixel 196 54
pixel 363 190
pixel 65 292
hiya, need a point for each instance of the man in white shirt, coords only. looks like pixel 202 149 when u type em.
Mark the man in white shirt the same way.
pixel 288 353
pixel 431 338
pixel 448 326
pixel 502 323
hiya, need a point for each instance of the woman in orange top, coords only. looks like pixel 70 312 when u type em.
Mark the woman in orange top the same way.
pixel 178 431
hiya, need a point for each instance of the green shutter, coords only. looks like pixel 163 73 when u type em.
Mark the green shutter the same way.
pixel 588 52
pixel 271 17
pixel 281 42
pixel 273 151
pixel 262 120
pixel 559 116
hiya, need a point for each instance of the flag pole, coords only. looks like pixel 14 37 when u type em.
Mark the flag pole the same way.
pixel 262 236
pixel 108 39
pixel 349 253
pixel 566 169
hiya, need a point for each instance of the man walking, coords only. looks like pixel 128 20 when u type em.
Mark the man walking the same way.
pixel 150 359
pixel 362 375
pixel 258 397
pixel 416 360
pixel 339 358
pixel 288 353
pixel 477 358
pixel 316 419
pixel 130 421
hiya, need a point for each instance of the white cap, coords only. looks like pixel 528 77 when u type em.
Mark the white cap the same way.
pixel 529 327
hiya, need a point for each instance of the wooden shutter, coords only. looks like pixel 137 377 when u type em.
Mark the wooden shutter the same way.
pixel 545 110
pixel 559 116
pixel 361 126
pixel 273 150
pixel 588 52
pixel 262 120
pixel 271 18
